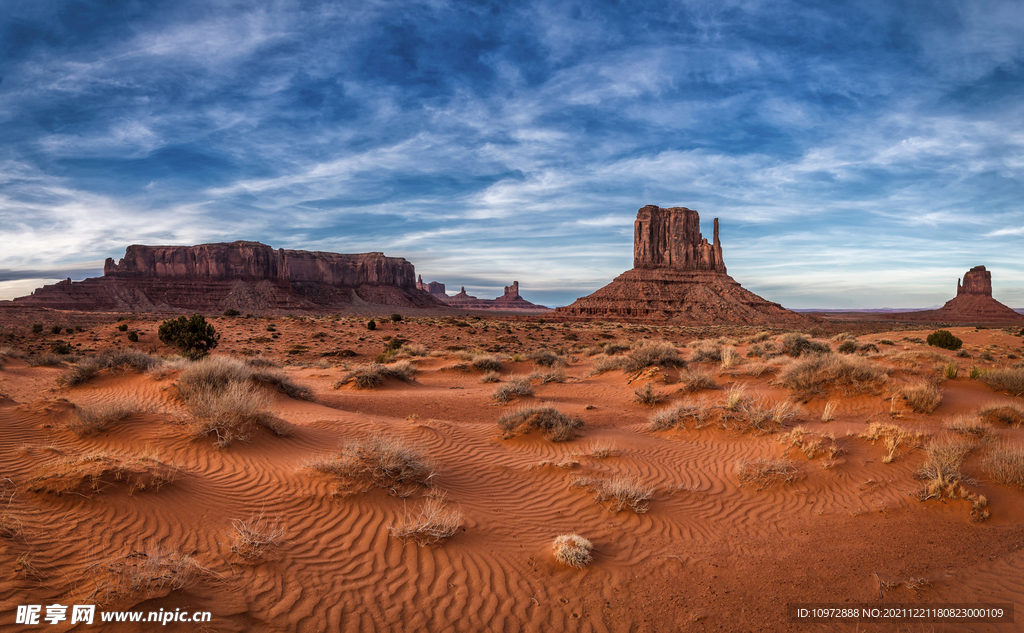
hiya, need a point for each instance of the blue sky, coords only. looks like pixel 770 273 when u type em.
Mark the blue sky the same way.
pixel 859 154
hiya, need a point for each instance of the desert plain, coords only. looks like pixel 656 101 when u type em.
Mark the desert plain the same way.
pixel 720 473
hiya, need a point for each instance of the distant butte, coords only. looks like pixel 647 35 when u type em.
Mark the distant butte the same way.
pixel 678 276
pixel 510 301
pixel 246 276
pixel 973 303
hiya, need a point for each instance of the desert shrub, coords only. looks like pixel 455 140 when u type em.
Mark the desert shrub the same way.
pixel 765 473
pixel 1010 380
pixel 1005 465
pixel 519 386
pixel 617 492
pixel 37 328
pixel 692 381
pixel 606 364
pixel 231 312
pixel 371 325
pixel 950 370
pixel 121 328
pixel 123 359
pixel 491 376
pixel 557 426
pixel 47 360
pixel 555 375
pixel 133 336
pixel 848 346
pixel 645 353
pixel 231 413
pixel 434 523
pixel 821 373
pixel 61 348
pixel 487 362
pixel 812 445
pixel 611 349
pixel 545 358
pixel 923 397
pixel 396 318
pixel 251 538
pixel 373 375
pixel 730 358
pixel 969 425
pixel 1009 414
pixel 893 437
pixel 647 396
pixel 676 416
pixel 88 420
pixel 89 473
pixel 602 449
pixel 573 550
pixel 705 352
pixel 218 372
pixel 379 461
pixel 794 345
pixel 193 336
pixel 755 414
pixel 940 470
pixel 885 341
pixel 148 573
pixel 945 340
pixel 829 412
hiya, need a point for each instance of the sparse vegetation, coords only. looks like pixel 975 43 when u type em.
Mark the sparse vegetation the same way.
pixel 794 345
pixel 1005 465
pixel 88 420
pixel 487 362
pixel 251 538
pixel 677 415
pixel 969 425
pixel 647 396
pixel 554 375
pixel 705 352
pixel 829 412
pixel 557 426
pixel 941 468
pixel 373 375
pixel 573 550
pixel 765 473
pixel 1009 380
pixel 386 462
pixel 546 358
pixel 818 374
pixel 645 353
pixel 1011 415
pixel 93 472
pixel 491 376
pixel 945 340
pixel 434 522
pixel 193 336
pixel 618 492
pixel 150 572
pixel 730 358
pixel 893 437
pixel 519 386
pixel 951 370
pixel 922 397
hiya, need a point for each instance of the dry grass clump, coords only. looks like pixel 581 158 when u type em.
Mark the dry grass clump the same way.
pixel 1005 465
pixel 603 449
pixel 1011 415
pixel 812 445
pixel 573 550
pixel 434 522
pixel 794 344
pixel 491 376
pixel 822 373
pixel 519 386
pixel 606 364
pixel 382 461
pixel 10 525
pixel 1009 380
pixel 546 358
pixel 617 492
pixel 730 358
pixel 251 538
pixel 125 359
pixel 677 415
pixel 91 473
pixel 969 425
pixel 829 412
pixel 230 413
pixel 923 397
pixel 645 353
pixel 144 573
pixel 217 372
pixel 705 351
pixel 893 437
pixel 374 374
pixel 735 397
pixel 765 473
pixel 950 370
pixel 555 375
pixel 941 467
pixel 647 396
pixel 87 420
pixel 758 415
pixel 487 362
pixel 557 426
pixel 692 381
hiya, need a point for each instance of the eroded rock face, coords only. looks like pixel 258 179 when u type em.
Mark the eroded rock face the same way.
pixel 678 276
pixel 977 281
pixel 240 275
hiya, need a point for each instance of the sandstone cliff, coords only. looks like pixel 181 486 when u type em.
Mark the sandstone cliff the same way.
pixel 240 275
pixel 678 276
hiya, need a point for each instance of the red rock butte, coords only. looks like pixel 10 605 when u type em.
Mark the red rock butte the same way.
pixel 973 303
pixel 509 301
pixel 678 276
pixel 237 275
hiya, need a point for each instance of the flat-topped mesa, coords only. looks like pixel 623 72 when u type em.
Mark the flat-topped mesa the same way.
pixel 252 261
pixel 671 238
pixel 977 281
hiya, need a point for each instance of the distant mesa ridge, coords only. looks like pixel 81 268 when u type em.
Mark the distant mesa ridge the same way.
pixel 241 275
pixel 973 303
pixel 678 276
pixel 511 300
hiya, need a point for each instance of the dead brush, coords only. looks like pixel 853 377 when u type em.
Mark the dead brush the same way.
pixel 922 397
pixel 250 539
pixel 646 353
pixel 605 364
pixel 231 414
pixel 730 358
pixel 617 492
pixel 124 360
pixel 1012 415
pixel 88 420
pixel 676 416
pixel 10 524
pixel 893 437
pixel 386 462
pixel 765 473
pixel 820 373
pixel 705 351
pixel 647 396
pixel 545 377
pixel 812 445
pixel 1005 464
pixel 557 426
pixel 143 574
pixel 573 550
pixel 969 425
pixel 518 386
pixel 487 362
pixel 753 414
pixel 693 381
pixel 1009 380
pixel 91 473
pixel 940 471
pixel 735 397
pixel 603 449
pixel 491 376
pixel 434 523
pixel 373 375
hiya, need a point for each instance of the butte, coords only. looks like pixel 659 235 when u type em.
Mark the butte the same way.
pixel 973 303
pixel 679 277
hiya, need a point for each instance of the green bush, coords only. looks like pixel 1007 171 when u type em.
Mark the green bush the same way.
pixel 395 318
pixel 123 327
pixel 37 328
pixel 848 347
pixel 133 336
pixel 231 312
pixel 192 335
pixel 61 347
pixel 371 325
pixel 55 329
pixel 944 339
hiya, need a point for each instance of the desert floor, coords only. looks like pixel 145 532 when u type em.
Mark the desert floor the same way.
pixel 844 521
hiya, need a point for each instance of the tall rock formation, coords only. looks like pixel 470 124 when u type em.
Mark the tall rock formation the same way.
pixel 973 303
pixel 679 276
pixel 240 275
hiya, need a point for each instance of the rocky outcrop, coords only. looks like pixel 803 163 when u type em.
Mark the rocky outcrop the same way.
pixel 678 276
pixel 973 303
pixel 434 289
pixel 240 275
pixel 510 301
